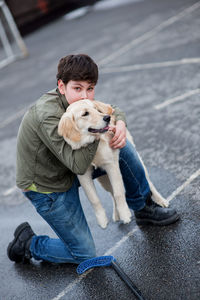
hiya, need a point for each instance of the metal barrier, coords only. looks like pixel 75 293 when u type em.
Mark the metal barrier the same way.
pixel 6 43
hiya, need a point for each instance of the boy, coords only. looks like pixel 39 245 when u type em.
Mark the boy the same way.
pixel 47 168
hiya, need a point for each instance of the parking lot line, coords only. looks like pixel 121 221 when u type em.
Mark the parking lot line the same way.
pixel 124 238
pixel 14 117
pixel 177 99
pixel 72 285
pixel 147 35
pixel 9 191
pixel 184 185
pixel 137 67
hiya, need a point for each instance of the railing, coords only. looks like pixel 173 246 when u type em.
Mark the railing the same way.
pixel 8 27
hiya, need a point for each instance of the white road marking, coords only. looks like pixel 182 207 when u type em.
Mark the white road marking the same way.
pixel 138 67
pixel 149 34
pixel 177 99
pixel 80 12
pixel 107 4
pixel 10 191
pixel 103 5
pixel 120 242
pixel 72 285
pixel 13 117
pixel 184 185
pixel 123 239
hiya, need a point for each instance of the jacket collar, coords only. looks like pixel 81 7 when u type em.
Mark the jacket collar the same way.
pixel 63 99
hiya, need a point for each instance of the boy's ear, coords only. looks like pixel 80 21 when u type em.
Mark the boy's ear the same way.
pixel 104 108
pixel 61 87
pixel 68 129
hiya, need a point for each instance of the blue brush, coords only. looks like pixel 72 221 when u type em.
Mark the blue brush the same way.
pixel 106 261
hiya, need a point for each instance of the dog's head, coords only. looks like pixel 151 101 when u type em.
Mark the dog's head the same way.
pixel 84 120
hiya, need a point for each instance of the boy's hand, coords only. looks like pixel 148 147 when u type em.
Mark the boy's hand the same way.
pixel 119 139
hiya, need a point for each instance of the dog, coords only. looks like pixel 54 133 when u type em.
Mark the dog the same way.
pixel 84 122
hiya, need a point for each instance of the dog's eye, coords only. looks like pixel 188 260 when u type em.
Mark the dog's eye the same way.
pixel 85 114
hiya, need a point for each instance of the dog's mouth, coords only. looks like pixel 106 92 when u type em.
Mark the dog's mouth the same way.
pixel 101 130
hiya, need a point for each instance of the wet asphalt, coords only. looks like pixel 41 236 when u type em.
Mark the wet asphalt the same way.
pixel 148 52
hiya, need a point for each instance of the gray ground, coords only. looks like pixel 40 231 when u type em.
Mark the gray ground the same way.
pixel 148 52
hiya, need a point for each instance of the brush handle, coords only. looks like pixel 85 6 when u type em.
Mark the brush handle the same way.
pixel 127 280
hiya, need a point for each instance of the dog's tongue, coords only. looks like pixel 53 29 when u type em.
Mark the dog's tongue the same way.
pixel 102 130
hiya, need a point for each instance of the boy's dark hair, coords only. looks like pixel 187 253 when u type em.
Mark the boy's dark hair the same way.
pixel 79 67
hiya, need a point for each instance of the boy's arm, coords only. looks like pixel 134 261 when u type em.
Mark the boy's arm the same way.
pixel 78 160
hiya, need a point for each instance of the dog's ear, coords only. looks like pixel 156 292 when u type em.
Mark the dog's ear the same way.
pixel 68 129
pixel 103 108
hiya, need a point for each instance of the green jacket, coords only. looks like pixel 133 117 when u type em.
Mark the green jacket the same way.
pixel 43 157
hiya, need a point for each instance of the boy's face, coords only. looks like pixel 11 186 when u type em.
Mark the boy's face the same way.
pixel 76 90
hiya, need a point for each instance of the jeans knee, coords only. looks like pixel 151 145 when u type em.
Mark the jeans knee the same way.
pixel 79 257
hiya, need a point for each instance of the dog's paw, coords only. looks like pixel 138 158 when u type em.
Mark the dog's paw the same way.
pixel 125 215
pixel 103 223
pixel 102 219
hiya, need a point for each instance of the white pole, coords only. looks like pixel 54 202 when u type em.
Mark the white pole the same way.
pixel 14 28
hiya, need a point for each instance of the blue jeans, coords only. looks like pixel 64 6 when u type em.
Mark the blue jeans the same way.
pixel 64 213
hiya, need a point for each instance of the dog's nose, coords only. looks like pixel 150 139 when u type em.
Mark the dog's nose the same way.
pixel 106 118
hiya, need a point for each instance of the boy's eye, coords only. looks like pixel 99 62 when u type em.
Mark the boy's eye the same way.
pixel 86 113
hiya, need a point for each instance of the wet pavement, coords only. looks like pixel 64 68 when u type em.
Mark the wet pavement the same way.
pixel 148 53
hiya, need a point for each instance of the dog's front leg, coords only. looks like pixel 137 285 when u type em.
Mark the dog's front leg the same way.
pixel 90 190
pixel 105 182
pixel 114 174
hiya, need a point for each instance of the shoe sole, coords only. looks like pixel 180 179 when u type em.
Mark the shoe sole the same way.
pixel 17 232
pixel 168 221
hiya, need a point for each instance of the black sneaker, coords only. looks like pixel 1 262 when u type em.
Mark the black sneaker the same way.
pixel 18 249
pixel 153 214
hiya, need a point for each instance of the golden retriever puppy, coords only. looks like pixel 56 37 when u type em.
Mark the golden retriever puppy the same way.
pixel 82 123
